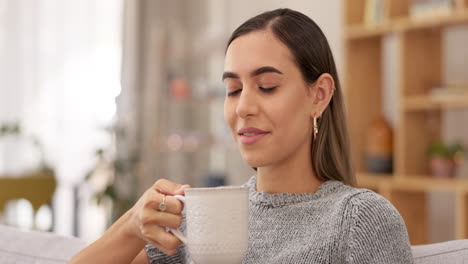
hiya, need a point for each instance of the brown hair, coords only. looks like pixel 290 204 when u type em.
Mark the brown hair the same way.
pixel 312 54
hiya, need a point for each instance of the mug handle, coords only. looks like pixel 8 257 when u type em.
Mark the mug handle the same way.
pixel 176 231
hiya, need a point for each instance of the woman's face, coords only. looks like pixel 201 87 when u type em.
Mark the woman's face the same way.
pixel 268 105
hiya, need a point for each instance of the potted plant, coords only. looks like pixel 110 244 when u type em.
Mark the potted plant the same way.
pixel 444 158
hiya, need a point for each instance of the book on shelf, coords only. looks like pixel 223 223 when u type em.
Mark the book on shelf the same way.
pixel 448 93
pixel 423 9
pixel 374 12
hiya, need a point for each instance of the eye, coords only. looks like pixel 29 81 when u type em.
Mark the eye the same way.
pixel 233 93
pixel 268 90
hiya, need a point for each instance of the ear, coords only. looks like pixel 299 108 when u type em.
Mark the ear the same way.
pixel 323 90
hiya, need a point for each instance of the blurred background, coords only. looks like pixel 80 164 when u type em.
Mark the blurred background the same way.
pixel 99 99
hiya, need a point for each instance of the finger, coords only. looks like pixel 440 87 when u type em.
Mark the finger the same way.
pixel 167 187
pixel 169 241
pixel 154 199
pixel 151 234
pixel 166 251
pixel 158 235
pixel 161 218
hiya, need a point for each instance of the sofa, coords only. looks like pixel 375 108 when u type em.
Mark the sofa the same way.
pixel 450 252
pixel 18 247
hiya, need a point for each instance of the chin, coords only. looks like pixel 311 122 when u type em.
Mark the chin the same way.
pixel 256 160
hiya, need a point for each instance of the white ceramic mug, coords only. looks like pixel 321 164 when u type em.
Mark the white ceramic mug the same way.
pixel 216 224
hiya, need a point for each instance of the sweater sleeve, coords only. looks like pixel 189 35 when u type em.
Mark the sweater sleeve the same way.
pixel 377 233
pixel 156 256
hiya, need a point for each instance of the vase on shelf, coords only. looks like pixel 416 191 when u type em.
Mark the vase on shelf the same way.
pixel 379 146
pixel 444 159
pixel 442 167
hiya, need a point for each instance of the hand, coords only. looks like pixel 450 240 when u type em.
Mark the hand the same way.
pixel 148 223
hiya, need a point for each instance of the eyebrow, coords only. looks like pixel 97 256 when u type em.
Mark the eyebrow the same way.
pixel 256 72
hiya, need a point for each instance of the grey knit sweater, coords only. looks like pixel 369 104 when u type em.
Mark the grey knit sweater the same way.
pixel 336 224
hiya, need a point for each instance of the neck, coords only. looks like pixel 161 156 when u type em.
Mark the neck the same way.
pixel 293 175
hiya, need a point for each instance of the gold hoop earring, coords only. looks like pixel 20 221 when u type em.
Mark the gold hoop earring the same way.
pixel 315 128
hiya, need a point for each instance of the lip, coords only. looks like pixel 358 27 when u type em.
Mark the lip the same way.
pixel 250 130
pixel 251 139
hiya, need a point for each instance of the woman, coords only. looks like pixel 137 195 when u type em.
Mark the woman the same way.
pixel 285 109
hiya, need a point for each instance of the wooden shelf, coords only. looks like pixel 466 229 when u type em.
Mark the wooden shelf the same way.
pixel 418 119
pixel 357 31
pixel 402 24
pixel 373 181
pixel 458 17
pixel 411 183
pixel 413 103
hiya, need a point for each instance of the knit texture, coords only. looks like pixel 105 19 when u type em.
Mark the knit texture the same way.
pixel 336 224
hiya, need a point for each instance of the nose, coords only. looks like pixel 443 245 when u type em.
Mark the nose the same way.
pixel 247 105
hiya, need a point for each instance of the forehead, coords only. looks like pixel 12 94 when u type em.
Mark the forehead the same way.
pixel 257 49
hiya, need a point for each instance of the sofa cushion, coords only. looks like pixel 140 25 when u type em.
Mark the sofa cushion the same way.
pixel 20 247
pixel 455 251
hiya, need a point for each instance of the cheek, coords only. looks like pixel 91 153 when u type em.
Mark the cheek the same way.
pixel 229 114
pixel 292 116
